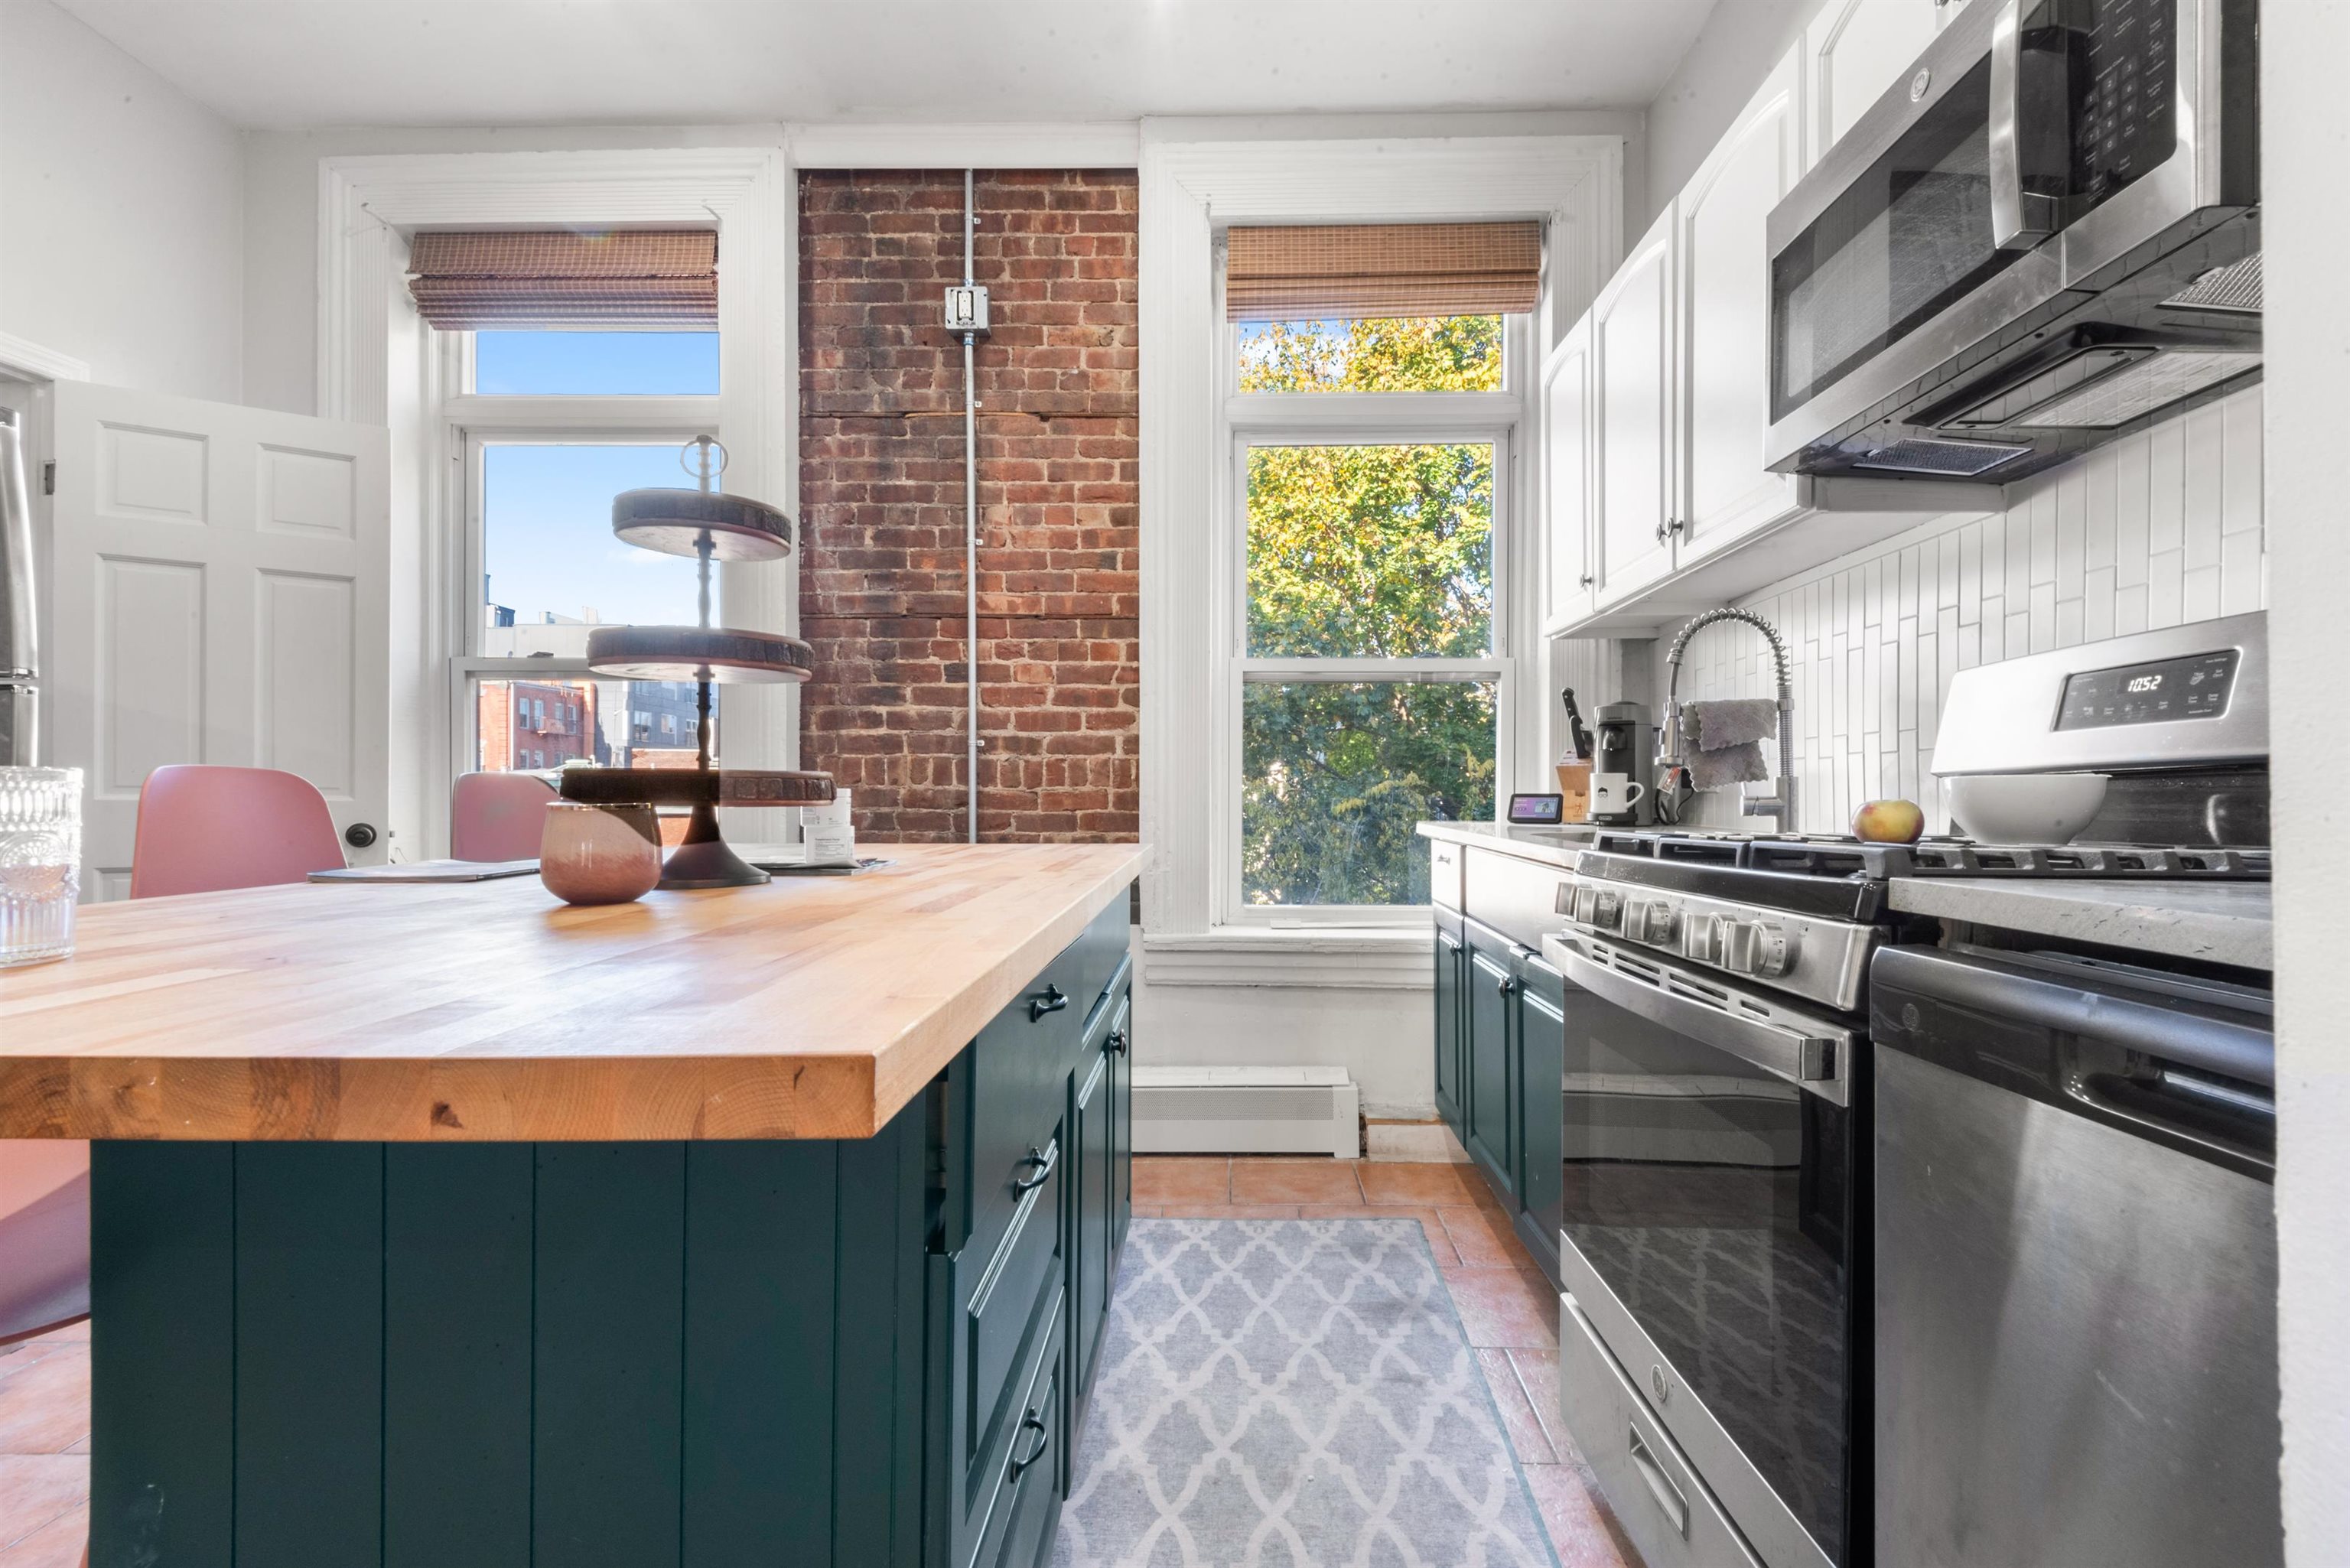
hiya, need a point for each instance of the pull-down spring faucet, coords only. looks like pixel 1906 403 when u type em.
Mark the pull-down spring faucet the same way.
pixel 1673 788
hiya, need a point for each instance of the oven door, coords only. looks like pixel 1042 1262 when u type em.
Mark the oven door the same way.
pixel 2034 143
pixel 1713 1190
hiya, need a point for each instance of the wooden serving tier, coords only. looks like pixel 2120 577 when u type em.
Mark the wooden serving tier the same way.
pixel 697 653
pixel 677 521
pixel 692 786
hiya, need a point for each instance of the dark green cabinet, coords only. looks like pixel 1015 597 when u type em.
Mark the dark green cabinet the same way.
pixel 1451 959
pixel 1489 1015
pixel 1538 1129
pixel 870 1353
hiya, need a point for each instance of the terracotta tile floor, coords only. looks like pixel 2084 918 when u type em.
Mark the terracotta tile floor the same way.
pixel 1507 1308
pixel 45 1449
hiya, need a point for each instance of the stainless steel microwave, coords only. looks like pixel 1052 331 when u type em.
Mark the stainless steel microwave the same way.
pixel 2045 235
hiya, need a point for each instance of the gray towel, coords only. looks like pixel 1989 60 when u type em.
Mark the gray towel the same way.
pixel 1733 721
pixel 1726 766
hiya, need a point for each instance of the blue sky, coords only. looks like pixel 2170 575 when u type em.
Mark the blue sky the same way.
pixel 510 363
pixel 548 510
pixel 546 534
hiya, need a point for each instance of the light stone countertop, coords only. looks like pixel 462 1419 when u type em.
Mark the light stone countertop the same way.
pixel 1559 847
pixel 2216 922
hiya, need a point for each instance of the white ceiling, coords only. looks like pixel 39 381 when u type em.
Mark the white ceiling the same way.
pixel 286 63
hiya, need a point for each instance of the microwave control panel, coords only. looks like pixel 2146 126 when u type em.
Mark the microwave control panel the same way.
pixel 2158 692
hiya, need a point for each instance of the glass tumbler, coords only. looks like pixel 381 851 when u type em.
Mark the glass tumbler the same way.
pixel 40 862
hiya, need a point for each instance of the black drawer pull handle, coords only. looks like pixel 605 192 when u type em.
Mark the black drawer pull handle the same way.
pixel 1043 1160
pixel 1118 1041
pixel 1053 1001
pixel 1030 1422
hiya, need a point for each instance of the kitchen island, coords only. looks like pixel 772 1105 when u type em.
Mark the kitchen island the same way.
pixel 448 1224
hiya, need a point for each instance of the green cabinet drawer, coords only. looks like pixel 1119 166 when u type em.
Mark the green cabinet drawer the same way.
pixel 1100 1183
pixel 1007 1092
pixel 991 1311
pixel 1027 1500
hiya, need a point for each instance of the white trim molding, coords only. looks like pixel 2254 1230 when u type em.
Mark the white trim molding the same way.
pixel 367 208
pixel 1188 190
pixel 1087 144
pixel 22 356
pixel 1396 958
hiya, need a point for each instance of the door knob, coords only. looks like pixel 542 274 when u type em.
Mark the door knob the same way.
pixel 359 834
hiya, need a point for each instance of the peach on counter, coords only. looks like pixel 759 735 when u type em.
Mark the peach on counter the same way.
pixel 1889 822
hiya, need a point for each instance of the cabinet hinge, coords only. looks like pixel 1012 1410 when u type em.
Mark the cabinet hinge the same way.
pixel 49 477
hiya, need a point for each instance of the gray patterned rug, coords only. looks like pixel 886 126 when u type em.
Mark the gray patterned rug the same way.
pixel 1280 1393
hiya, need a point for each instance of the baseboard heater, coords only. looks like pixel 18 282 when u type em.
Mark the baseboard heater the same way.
pixel 1246 1110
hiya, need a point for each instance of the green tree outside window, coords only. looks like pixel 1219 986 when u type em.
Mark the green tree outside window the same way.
pixel 1365 551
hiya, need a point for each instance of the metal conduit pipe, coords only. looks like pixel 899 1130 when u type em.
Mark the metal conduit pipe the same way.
pixel 970 536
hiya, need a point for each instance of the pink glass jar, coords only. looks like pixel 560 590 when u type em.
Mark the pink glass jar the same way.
pixel 599 854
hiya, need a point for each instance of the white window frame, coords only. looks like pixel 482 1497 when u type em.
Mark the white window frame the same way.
pixel 469 423
pixel 1196 179
pixel 1366 418
pixel 377 364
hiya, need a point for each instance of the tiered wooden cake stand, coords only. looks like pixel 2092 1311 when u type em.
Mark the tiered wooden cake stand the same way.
pixel 709 527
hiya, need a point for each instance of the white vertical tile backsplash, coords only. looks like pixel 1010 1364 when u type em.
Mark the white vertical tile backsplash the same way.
pixel 2157 529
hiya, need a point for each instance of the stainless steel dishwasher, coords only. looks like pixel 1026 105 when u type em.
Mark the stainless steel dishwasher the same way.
pixel 2076 1271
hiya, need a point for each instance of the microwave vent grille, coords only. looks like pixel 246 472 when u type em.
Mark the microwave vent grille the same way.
pixel 1949 459
pixel 2143 388
pixel 2234 290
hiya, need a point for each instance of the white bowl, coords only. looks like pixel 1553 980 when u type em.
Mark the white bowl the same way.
pixel 2024 808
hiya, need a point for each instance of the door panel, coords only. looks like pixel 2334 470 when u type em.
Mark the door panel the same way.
pixel 1450 1093
pixel 1567 477
pixel 1725 296
pixel 221 595
pixel 1857 48
pixel 1632 329
pixel 1492 984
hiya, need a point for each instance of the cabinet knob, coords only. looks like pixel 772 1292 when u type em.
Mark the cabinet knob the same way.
pixel 1507 986
pixel 1589 580
pixel 1116 1041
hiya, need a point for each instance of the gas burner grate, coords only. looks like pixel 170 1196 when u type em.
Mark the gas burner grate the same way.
pixel 1836 856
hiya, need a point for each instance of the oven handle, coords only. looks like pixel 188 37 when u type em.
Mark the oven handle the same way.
pixel 2019 219
pixel 1806 1060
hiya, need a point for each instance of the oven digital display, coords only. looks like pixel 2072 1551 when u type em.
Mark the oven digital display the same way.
pixel 2195 687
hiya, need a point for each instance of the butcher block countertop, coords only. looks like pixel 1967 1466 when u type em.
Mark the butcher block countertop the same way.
pixel 809 1008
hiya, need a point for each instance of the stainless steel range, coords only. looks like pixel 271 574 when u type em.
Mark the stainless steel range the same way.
pixel 1717 1209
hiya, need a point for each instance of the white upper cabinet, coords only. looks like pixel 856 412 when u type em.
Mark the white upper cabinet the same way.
pixel 1725 299
pixel 1854 50
pixel 1568 478
pixel 1632 336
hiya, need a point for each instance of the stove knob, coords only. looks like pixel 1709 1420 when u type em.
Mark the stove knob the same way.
pixel 1607 909
pixel 1701 937
pixel 1756 948
pixel 1655 923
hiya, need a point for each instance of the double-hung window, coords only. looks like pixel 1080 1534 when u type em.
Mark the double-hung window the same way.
pixel 1371 486
pixel 545 420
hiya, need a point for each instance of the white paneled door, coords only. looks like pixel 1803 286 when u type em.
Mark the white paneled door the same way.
pixel 221 595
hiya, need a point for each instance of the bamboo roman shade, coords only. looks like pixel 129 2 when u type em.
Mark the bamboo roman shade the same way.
pixel 1346 272
pixel 525 278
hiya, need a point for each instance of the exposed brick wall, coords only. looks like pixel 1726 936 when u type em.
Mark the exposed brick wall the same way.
pixel 881 502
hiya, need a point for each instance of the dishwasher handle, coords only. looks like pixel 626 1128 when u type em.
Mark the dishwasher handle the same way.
pixel 1901 977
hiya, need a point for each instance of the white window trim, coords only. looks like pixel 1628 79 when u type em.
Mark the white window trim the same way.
pixel 1254 420
pixel 1188 190
pixel 377 365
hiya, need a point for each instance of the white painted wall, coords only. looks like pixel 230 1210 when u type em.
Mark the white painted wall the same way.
pixel 2159 528
pixel 121 243
pixel 1383 1036
pixel 2306 145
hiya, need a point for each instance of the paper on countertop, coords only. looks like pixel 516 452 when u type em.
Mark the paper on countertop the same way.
pixel 430 871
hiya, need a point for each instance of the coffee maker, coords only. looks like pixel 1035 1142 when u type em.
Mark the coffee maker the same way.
pixel 1623 755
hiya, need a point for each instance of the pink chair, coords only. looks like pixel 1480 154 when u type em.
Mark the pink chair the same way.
pixel 497 816
pixel 203 829
pixel 44 1235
